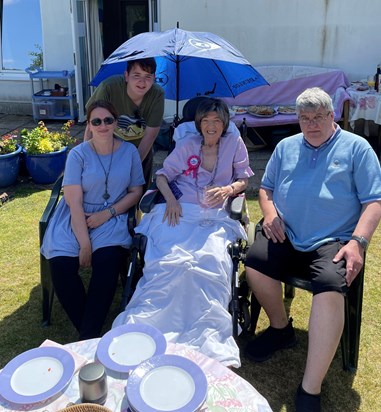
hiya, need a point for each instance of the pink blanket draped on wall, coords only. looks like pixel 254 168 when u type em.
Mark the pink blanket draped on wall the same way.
pixel 285 92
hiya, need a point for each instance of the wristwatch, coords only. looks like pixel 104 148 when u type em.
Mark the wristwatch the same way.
pixel 362 241
pixel 112 211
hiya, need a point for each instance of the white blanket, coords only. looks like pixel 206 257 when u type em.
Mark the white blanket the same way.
pixel 186 287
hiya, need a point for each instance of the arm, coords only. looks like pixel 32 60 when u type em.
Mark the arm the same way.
pixel 173 209
pixel 273 226
pixel 131 199
pixel 148 140
pixel 352 252
pixel 217 195
pixel 74 198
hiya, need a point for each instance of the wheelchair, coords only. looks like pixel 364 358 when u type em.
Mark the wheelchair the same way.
pixel 240 305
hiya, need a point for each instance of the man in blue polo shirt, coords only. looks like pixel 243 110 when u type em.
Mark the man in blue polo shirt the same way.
pixel 321 201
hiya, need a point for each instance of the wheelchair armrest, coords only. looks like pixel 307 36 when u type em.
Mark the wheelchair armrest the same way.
pixel 50 207
pixel 148 201
pixel 237 206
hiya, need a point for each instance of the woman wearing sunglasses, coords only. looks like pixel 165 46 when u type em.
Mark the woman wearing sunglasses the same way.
pixel 103 178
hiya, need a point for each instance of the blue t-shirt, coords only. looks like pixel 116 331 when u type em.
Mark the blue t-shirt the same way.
pixel 83 168
pixel 319 192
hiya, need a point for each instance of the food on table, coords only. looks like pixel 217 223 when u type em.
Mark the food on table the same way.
pixel 286 109
pixel 239 109
pixel 261 110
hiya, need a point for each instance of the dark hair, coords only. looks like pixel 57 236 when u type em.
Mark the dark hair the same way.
pixel 148 64
pixel 212 105
pixel 104 104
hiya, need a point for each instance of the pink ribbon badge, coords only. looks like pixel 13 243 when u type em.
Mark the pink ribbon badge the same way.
pixel 193 163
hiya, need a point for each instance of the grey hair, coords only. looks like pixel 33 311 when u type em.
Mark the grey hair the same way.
pixel 313 99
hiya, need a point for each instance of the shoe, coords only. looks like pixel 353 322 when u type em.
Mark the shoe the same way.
pixel 271 340
pixel 306 402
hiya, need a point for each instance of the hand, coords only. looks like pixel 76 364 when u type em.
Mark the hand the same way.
pixel 97 219
pixel 217 195
pixel 85 256
pixel 353 254
pixel 274 229
pixel 173 212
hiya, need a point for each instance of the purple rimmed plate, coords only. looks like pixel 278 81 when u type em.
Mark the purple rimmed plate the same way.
pixel 125 347
pixel 168 383
pixel 36 375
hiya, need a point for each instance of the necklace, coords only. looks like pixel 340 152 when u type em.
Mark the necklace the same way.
pixel 214 172
pixel 105 195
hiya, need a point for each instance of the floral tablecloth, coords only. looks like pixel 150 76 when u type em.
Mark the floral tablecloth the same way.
pixel 364 105
pixel 226 390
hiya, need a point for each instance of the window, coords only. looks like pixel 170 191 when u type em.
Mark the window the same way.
pixel 21 33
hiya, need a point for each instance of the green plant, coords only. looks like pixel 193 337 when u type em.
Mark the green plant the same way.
pixel 37 57
pixel 8 143
pixel 40 140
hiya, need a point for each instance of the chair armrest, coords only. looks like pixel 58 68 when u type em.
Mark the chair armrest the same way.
pixel 132 220
pixel 50 207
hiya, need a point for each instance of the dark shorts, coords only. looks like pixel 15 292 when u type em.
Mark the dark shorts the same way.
pixel 278 260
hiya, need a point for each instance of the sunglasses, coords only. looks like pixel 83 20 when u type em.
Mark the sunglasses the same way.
pixel 107 121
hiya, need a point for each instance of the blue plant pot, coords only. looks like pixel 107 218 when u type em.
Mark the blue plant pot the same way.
pixel 9 167
pixel 46 168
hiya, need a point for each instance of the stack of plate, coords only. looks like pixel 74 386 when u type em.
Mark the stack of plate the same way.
pixel 156 381
pixel 166 383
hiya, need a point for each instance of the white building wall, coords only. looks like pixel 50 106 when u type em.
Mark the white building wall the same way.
pixel 341 34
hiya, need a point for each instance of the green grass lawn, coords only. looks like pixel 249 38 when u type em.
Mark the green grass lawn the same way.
pixel 277 379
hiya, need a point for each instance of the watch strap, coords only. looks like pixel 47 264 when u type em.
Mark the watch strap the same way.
pixel 112 211
pixel 362 241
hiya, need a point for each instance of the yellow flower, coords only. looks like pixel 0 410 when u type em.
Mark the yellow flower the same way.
pixel 40 140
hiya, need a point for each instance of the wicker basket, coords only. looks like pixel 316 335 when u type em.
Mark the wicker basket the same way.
pixel 85 407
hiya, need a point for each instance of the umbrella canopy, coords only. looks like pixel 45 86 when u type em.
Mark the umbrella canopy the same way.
pixel 189 64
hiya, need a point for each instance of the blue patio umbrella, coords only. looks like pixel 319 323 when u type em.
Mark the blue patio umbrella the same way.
pixel 189 64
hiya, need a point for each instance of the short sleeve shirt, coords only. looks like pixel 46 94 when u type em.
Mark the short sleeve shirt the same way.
pixel 149 113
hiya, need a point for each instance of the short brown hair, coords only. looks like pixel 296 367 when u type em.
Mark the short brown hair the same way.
pixel 148 65
pixel 212 105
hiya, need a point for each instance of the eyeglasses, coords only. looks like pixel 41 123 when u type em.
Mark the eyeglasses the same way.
pixel 315 120
pixel 107 121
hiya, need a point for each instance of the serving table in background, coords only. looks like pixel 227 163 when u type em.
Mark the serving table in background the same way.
pixel 366 105
pixel 226 390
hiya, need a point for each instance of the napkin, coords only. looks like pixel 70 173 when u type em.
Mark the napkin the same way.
pixel 79 360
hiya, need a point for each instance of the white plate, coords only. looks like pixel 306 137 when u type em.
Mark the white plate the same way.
pixel 168 383
pixel 239 109
pixel 36 375
pixel 286 109
pixel 125 347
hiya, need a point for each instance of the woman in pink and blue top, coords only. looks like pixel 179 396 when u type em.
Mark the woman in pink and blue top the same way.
pixel 185 289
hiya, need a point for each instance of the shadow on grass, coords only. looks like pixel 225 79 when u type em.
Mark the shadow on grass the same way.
pixel 22 330
pixel 278 378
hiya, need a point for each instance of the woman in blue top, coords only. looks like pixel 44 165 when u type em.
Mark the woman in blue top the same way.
pixel 103 179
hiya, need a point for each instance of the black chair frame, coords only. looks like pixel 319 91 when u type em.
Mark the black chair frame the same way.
pixel 350 339
pixel 45 275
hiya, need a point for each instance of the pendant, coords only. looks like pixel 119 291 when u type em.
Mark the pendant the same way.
pixel 106 196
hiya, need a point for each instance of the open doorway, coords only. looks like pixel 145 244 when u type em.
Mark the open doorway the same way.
pixel 123 19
